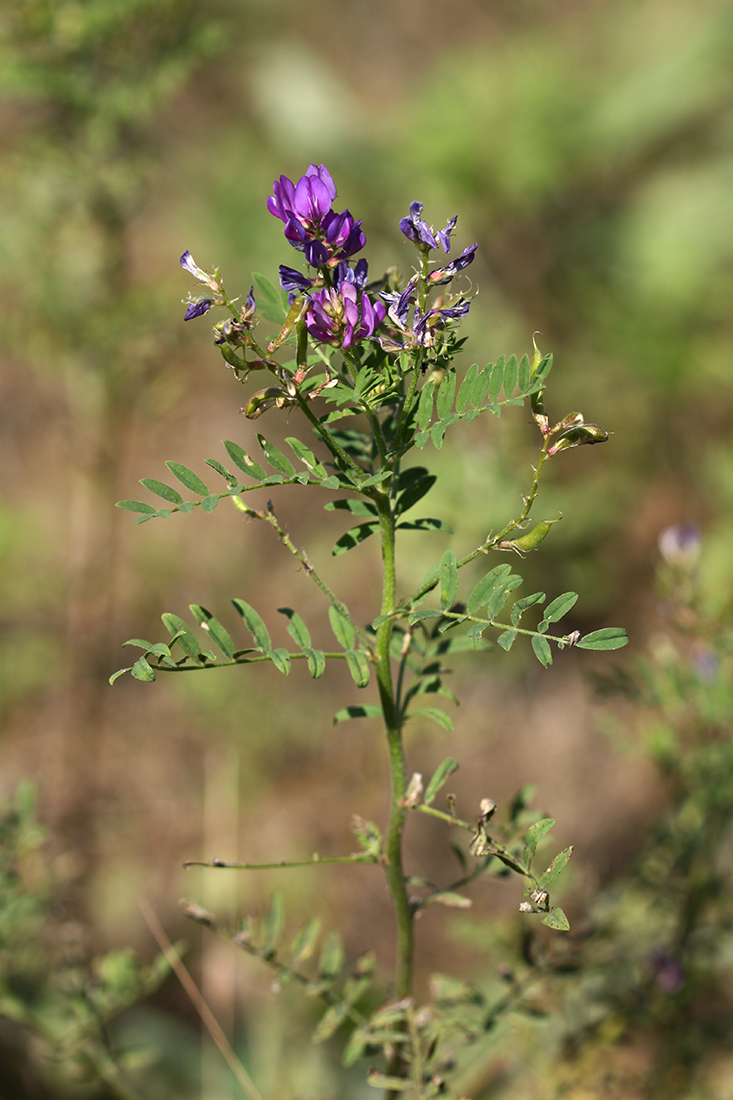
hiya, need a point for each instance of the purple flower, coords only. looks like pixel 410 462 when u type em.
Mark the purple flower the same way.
pixel 294 281
pixel 187 262
pixel 310 224
pixel 417 230
pixel 444 234
pixel 444 274
pixel 680 546
pixel 197 308
pixel 343 234
pixel 342 316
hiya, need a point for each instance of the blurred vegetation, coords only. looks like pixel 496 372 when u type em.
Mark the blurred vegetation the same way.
pixel 589 150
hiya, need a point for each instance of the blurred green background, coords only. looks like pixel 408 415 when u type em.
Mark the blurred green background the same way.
pixel 588 148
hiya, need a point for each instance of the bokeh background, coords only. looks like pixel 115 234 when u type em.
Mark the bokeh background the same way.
pixel 588 148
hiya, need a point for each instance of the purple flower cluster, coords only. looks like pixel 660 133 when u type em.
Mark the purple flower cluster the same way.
pixel 311 226
pixel 421 332
pixel 343 314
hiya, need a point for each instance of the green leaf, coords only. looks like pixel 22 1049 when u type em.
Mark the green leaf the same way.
pixel 498 597
pixel 560 606
pixel 609 637
pixel 456 643
pixel 355 506
pixel 437 432
pixel 425 405
pixel 446 393
pixel 210 502
pixel 415 490
pixel 329 1023
pixel 436 714
pixel 219 635
pixel 467 388
pixel 331 959
pixel 441 773
pixel 137 506
pixel 474 633
pixel 418 616
pixel 242 461
pixel 141 670
pixel 542 650
pixel 510 376
pixel 390 1084
pixel 523 375
pixel 357 711
pixel 353 537
pixel 358 667
pixel 307 457
pixel 269 301
pixel 273 923
pixel 425 523
pixel 120 672
pixel 557 919
pixel 188 478
pixel 522 605
pixel 182 634
pixel 485 587
pixel 162 490
pixel 280 659
pixel 557 865
pixel 448 580
pixel 254 624
pixel 316 662
pixel 481 387
pixel 533 836
pixel 495 382
pixel 222 470
pixel 297 629
pixel 276 458
pixel 341 627
pixel 304 943
pixel 507 639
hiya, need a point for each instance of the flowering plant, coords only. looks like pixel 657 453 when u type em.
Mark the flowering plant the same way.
pixel 381 355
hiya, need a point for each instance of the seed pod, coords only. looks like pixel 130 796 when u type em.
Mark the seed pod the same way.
pixel 576 437
pixel 265 399
pixel 532 539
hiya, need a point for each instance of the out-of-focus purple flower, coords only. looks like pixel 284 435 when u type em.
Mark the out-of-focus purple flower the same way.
pixel 417 230
pixel 342 316
pixel 680 546
pixel 669 972
pixel 444 274
pixel 187 262
pixel 197 308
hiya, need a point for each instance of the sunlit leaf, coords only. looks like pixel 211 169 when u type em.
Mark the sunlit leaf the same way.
pixel 188 478
pixel 341 627
pixel 357 711
pixel 542 650
pixel 241 459
pixel 297 629
pixel 560 606
pixel 213 627
pixel 167 492
pixel 609 637
pixel 448 580
pixel 254 624
pixel 358 667
pixel 557 919
pixel 441 773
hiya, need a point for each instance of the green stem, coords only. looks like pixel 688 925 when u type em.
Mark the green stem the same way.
pixel 334 447
pixel 363 857
pixel 270 517
pixel 404 915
